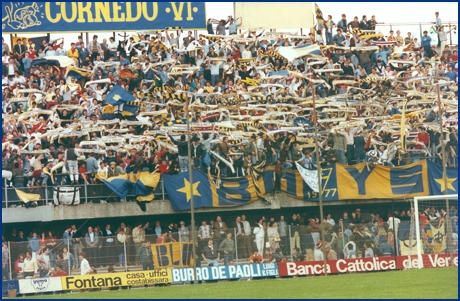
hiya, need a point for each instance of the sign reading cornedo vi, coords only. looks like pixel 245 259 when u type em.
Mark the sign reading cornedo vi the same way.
pixel 39 17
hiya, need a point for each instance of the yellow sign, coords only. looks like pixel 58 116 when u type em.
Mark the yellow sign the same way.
pixel 172 254
pixel 138 278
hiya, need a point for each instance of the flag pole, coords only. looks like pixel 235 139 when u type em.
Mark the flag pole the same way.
pixel 190 174
pixel 444 174
pixel 320 172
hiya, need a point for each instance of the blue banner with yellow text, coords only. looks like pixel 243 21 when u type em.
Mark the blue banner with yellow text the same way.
pixel 356 182
pixel 296 187
pixel 173 254
pixel 232 191
pixel 48 17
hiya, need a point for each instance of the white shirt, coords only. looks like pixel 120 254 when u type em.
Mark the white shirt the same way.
pixel 84 267
pixel 246 54
pixel 396 224
pixel 331 221
pixel 11 69
pixel 112 46
pixel 319 255
pixel 259 232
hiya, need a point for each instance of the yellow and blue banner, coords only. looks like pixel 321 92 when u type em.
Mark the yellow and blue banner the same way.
pixel 318 12
pixel 169 255
pixel 118 96
pixel 141 184
pixel 437 182
pixel 382 182
pixel 296 186
pixel 120 185
pixel 232 191
pixel 49 17
pixel 356 182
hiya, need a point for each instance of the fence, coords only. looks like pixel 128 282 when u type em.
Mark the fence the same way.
pixel 88 193
pixel 96 192
pixel 280 243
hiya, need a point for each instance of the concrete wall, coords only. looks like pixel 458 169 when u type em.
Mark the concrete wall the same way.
pixel 85 211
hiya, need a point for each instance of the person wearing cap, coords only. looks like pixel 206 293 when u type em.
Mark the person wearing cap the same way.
pixel 318 253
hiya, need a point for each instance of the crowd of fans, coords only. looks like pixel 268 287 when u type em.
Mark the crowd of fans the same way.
pixel 243 92
pixel 273 239
pixel 241 86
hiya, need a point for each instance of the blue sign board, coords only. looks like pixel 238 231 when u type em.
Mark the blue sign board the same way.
pixel 10 285
pixel 225 272
pixel 47 17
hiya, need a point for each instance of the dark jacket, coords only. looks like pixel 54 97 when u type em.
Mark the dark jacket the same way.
pixel 210 254
pixel 359 145
pixel 182 147
pixel 198 151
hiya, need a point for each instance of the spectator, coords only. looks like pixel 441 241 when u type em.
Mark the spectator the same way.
pixel 85 268
pixel 145 255
pixel 30 266
pixel 319 254
pixel 210 254
pixel 227 246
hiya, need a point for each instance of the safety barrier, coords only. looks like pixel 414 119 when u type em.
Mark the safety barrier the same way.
pixel 216 273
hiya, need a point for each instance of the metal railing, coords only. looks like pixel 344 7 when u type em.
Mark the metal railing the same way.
pixel 279 243
pixel 94 193
pixel 89 193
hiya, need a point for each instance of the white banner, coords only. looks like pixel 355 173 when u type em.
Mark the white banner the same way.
pixel 66 195
pixel 40 285
pixel 309 176
pixel 291 53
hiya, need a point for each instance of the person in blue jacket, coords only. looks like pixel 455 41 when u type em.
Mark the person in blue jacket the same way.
pixel 426 44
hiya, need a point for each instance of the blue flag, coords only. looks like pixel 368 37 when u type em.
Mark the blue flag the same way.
pixel 120 185
pixel 232 191
pixel 118 96
pixel 178 188
pixel 438 183
pixel 319 13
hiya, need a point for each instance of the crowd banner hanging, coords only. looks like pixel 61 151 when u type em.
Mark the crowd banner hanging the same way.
pixel 254 15
pixel 48 17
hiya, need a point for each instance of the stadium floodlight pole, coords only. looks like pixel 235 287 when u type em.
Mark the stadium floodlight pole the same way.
pixel 192 205
pixel 320 172
pixel 444 173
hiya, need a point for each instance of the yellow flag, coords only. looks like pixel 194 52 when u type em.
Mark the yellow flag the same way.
pixel 27 197
pixel 403 128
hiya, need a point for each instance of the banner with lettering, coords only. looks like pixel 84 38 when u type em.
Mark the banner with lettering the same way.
pixel 359 182
pixel 40 285
pixel 48 17
pixel 137 278
pixel 226 272
pixel 173 254
pixel 382 263
pixel 382 182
